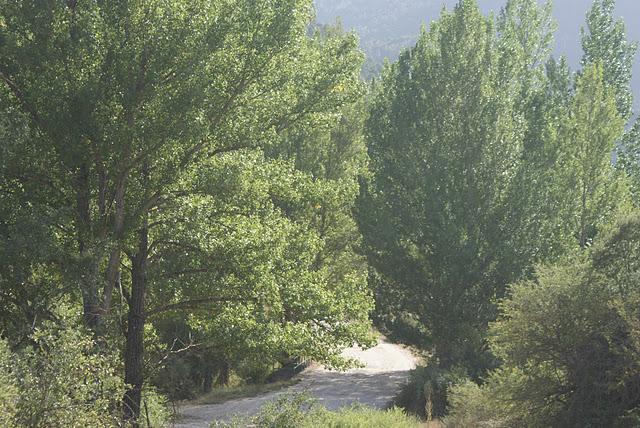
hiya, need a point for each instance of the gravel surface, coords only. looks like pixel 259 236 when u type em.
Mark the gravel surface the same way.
pixel 386 368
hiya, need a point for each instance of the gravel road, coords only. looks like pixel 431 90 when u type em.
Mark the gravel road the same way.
pixel 386 367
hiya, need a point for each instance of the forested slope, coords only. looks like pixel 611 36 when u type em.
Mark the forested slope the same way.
pixel 387 27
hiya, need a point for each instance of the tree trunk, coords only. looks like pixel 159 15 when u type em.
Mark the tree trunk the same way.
pixel 88 266
pixel 207 382
pixel 113 267
pixel 224 373
pixel 134 348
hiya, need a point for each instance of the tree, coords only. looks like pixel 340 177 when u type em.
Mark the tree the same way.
pixel 536 231
pixel 33 214
pixel 141 139
pixel 445 138
pixel 629 160
pixel 604 42
pixel 590 137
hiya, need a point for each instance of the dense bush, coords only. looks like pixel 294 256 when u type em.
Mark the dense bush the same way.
pixel 570 343
pixel 8 387
pixel 426 394
pixel 155 409
pixel 302 411
pixel 362 418
pixel 59 381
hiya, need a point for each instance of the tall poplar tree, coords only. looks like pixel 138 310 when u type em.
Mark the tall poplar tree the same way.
pixel 593 128
pixel 604 41
pixel 445 138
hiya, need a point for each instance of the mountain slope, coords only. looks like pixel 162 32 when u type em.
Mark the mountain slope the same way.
pixel 387 26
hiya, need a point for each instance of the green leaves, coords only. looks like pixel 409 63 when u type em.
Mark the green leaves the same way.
pixel 593 129
pixel 445 136
pixel 485 161
pixel 570 340
pixel 59 382
pixel 604 41
pixel 207 155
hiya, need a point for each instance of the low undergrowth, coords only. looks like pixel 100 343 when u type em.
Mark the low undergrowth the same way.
pixel 303 411
pixel 222 394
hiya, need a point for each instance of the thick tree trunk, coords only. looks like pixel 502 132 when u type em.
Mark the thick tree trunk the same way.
pixel 134 348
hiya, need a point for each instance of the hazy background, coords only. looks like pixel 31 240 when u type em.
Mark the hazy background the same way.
pixel 387 26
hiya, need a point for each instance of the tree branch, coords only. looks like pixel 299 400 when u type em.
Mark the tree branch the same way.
pixel 17 92
pixel 191 304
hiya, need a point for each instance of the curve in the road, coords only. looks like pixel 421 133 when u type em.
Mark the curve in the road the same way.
pixel 386 369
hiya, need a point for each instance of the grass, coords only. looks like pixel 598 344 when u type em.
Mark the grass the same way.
pixel 363 418
pixel 221 395
pixel 304 411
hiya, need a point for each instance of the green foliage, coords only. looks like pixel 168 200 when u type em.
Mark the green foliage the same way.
pixel 214 184
pixel 592 130
pixel 427 392
pixel 629 160
pixel 9 392
pixel 604 42
pixel 303 411
pixel 31 245
pixel 155 409
pixel 60 381
pixel 473 406
pixel 458 135
pixel 362 417
pixel 487 158
pixel 569 344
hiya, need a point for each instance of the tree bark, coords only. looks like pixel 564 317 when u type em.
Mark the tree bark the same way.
pixel 88 266
pixel 224 372
pixel 207 381
pixel 113 267
pixel 134 348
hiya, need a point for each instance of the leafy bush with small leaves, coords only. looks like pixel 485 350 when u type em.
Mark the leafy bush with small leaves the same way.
pixel 61 380
pixel 8 389
pixel 303 411
pixel 155 409
pixel 426 394
pixel 570 344
pixel 362 417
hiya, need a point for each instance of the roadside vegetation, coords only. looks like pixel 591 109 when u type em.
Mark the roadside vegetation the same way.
pixel 303 411
pixel 196 196
pixel 230 392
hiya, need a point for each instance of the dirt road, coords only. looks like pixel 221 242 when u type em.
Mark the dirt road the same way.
pixel 386 369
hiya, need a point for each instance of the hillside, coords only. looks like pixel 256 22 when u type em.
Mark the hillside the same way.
pixel 387 26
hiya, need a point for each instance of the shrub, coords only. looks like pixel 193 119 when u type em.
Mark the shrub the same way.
pixel 286 412
pixel 487 406
pixel 303 411
pixel 426 394
pixel 361 417
pixel 8 387
pixel 570 343
pixel 59 381
pixel 155 409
